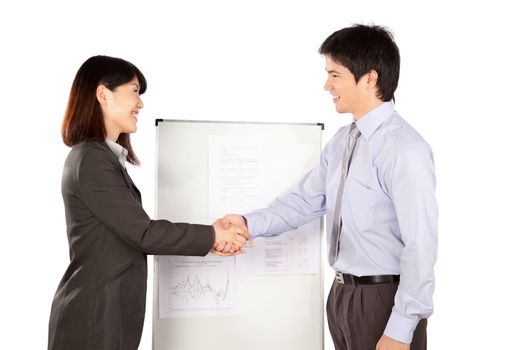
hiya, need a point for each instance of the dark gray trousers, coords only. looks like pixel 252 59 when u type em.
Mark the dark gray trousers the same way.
pixel 357 316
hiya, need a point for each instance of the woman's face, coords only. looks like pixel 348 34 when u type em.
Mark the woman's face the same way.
pixel 121 108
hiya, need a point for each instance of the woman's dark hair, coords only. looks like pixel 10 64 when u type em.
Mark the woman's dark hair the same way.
pixel 83 120
pixel 361 48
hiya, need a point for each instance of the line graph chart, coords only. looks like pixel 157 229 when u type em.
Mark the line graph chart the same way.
pixel 196 286
pixel 194 291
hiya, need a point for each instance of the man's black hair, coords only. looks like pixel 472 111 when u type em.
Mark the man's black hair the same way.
pixel 362 48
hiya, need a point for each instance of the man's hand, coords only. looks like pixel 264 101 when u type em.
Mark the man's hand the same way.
pixel 387 343
pixel 236 220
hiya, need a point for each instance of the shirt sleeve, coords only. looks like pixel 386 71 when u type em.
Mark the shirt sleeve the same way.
pixel 303 202
pixel 105 193
pixel 411 183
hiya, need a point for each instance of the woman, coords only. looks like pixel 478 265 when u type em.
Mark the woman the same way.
pixel 100 301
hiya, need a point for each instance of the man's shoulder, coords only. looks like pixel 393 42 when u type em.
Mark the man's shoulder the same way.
pixel 400 136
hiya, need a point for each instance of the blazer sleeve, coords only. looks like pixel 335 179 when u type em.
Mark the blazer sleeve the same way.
pixel 104 191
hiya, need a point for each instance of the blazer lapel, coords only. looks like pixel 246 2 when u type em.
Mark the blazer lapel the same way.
pixel 125 175
pixel 131 184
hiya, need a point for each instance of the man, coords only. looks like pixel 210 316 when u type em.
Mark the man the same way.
pixel 375 183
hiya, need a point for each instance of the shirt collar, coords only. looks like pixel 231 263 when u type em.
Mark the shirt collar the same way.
pixel 120 152
pixel 371 121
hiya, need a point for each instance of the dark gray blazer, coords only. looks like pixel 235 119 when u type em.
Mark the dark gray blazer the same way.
pixel 100 301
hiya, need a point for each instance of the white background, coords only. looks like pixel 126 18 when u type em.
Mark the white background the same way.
pixel 461 87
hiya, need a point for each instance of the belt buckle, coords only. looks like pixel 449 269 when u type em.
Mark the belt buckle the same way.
pixel 339 278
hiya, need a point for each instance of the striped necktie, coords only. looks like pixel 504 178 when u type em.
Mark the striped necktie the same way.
pixel 336 227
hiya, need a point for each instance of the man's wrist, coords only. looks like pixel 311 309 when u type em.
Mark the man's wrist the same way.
pixel 400 328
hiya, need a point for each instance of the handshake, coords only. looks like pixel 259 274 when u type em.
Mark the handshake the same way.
pixel 231 234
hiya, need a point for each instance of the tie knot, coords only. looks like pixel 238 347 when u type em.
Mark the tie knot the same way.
pixel 354 131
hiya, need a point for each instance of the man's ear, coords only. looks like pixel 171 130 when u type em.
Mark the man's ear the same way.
pixel 102 95
pixel 371 78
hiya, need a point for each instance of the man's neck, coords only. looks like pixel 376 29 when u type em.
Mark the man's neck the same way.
pixel 370 106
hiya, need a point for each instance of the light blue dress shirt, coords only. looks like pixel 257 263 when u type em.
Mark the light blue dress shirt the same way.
pixel 389 211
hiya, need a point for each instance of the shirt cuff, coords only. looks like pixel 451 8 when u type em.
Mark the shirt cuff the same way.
pixel 253 223
pixel 401 328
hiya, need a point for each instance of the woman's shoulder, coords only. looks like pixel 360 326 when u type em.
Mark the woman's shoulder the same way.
pixel 92 159
pixel 86 146
pixel 88 150
pixel 90 147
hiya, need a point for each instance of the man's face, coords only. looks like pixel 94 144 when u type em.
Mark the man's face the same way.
pixel 348 95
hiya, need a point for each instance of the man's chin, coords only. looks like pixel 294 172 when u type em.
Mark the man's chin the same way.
pixel 341 110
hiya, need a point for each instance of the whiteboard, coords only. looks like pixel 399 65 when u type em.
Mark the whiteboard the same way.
pixel 274 311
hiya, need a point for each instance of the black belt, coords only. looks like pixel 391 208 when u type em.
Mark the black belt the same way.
pixel 345 278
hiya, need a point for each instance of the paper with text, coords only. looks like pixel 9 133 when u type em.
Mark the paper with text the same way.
pixel 291 253
pixel 237 173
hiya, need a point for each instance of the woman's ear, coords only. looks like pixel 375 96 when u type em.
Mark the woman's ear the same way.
pixel 101 94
